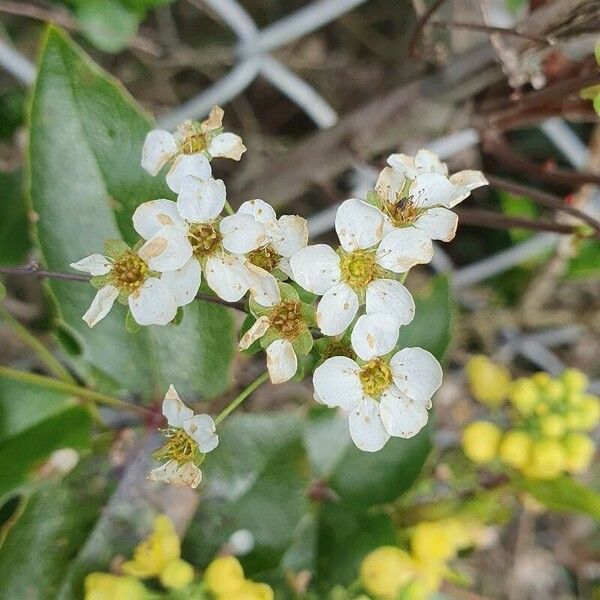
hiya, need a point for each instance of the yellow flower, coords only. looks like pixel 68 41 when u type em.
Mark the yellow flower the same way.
pixel 590 412
pixel 152 555
pixel 251 591
pixel 515 448
pixel 103 586
pixel 548 459
pixel 385 571
pixel 480 441
pixel 523 395
pixel 580 450
pixel 574 380
pixel 224 575
pixel 489 382
pixel 553 425
pixel 541 379
pixel 438 541
pixel 177 574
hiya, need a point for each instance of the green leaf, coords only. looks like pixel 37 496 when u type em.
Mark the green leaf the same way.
pixel 14 227
pixel 518 206
pixel 432 326
pixel 34 423
pixel 563 494
pixel 86 181
pixel 53 526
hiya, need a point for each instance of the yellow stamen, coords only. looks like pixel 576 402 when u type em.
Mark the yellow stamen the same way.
pixel 375 377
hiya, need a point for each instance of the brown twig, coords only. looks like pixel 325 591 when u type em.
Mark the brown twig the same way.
pixel 490 29
pixel 420 26
pixel 35 270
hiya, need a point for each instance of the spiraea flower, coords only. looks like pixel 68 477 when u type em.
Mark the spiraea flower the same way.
pixel 190 149
pixel 144 279
pixel 284 332
pixel 417 192
pixel 266 264
pixel 363 271
pixel 383 396
pixel 213 242
pixel 189 438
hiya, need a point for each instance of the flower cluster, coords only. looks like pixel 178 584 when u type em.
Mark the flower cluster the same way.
pixel 390 572
pixel 351 295
pixel 159 558
pixel 543 431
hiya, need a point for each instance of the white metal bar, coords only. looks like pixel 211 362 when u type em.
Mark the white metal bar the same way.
pixel 16 64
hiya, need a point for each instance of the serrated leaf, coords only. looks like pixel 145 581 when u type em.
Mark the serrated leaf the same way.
pixel 86 181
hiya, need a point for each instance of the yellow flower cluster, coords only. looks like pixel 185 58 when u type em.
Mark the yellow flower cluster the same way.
pixel 549 418
pixel 388 572
pixel 225 580
pixel 158 556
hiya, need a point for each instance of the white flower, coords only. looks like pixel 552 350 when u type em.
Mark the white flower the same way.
pixel 281 238
pixel 363 270
pixel 417 192
pixel 383 398
pixel 192 147
pixel 144 279
pixel 189 437
pixel 213 243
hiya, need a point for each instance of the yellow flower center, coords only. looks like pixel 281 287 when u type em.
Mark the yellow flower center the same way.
pixel 192 139
pixel 287 319
pixel 375 377
pixel 179 446
pixel 204 238
pixel 266 258
pixel 401 213
pixel 359 268
pixel 129 272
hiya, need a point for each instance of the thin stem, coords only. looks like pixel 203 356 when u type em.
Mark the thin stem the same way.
pixel 489 29
pixel 44 355
pixel 56 385
pixel 241 397
pixel 228 208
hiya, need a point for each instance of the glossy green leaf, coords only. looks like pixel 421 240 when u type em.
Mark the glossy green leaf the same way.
pixel 563 494
pixel 432 326
pixel 86 181
pixel 586 262
pixel 14 227
pixel 34 423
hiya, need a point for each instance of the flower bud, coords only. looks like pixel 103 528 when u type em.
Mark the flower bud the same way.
pixel 435 541
pixel 548 459
pixel 523 395
pixel 489 382
pixel 580 450
pixel 574 380
pixel 177 574
pixel 385 571
pixel 480 441
pixel 515 448
pixel 553 426
pixel 103 586
pixel 224 575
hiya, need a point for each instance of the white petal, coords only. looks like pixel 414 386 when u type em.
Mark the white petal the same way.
pixel 402 416
pixel 215 119
pixel 389 184
pixel 184 283
pixel 201 428
pixel 433 189
pixel 263 286
pixel 374 335
pixel 284 266
pixel 174 409
pixel 316 268
pixel 366 429
pixel 153 303
pixel 358 225
pixel 288 235
pixel 242 233
pixel 336 309
pixel 404 248
pixel 428 162
pixel 469 178
pixel 186 474
pixel 438 223
pixel 282 362
pixel 403 164
pixel 95 264
pixel 167 250
pixel 262 211
pixel 158 148
pixel 101 304
pixel 337 383
pixel 391 297
pixel 201 200
pixel 258 329
pixel 416 373
pixel 152 216
pixel 196 165
pixel 227 145
pixel 227 276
